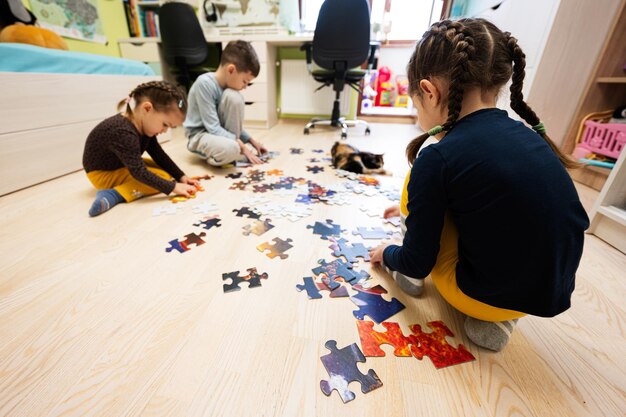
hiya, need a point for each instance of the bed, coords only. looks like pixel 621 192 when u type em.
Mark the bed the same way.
pixel 51 99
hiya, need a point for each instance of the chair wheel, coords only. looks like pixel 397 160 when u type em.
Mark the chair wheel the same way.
pixel 367 131
pixel 344 135
pixel 306 130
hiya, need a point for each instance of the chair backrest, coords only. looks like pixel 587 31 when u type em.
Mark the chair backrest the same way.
pixel 181 34
pixel 342 34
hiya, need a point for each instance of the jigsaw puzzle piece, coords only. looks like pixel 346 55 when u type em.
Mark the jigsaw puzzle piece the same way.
pixel 258 227
pixel 436 347
pixel 341 367
pixel 247 212
pixel 209 222
pixel 372 233
pixel 375 306
pixel 326 229
pixel 315 169
pixel 341 247
pixel 176 245
pixel 371 339
pixel 310 287
pixel 253 279
pixel 240 185
pixel 204 208
pixel 277 249
pixel 234 175
pixel 193 239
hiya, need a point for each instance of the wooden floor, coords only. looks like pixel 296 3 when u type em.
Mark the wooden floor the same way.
pixel 96 319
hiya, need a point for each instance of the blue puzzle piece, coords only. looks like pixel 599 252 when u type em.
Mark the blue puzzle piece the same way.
pixel 326 229
pixel 375 306
pixel 310 287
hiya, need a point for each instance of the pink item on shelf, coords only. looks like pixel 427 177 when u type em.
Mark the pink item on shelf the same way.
pixel 606 139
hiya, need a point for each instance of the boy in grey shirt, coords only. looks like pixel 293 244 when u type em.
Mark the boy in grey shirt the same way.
pixel 214 123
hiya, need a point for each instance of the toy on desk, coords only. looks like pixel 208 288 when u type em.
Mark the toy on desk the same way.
pixel 402 85
pixel 383 88
pixel 369 92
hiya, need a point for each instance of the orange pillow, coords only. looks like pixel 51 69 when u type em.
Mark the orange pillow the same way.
pixel 32 35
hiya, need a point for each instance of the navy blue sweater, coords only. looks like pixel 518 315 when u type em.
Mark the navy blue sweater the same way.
pixel 518 215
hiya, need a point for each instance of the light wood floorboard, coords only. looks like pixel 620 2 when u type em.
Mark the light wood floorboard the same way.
pixel 97 320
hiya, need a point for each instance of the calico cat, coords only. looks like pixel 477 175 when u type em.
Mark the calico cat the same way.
pixel 349 158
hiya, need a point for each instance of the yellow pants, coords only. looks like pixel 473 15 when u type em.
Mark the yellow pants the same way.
pixel 444 278
pixel 124 183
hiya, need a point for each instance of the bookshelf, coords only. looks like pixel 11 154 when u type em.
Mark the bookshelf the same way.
pixel 142 18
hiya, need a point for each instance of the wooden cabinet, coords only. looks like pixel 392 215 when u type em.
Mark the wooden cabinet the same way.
pixel 606 91
pixel 140 49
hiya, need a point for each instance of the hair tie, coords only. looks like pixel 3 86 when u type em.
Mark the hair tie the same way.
pixel 540 128
pixel 127 101
pixel 180 103
pixel 435 130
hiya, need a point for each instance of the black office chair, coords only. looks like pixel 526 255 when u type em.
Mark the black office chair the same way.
pixel 183 45
pixel 341 43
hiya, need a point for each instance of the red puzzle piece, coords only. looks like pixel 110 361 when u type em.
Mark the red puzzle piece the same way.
pixel 435 346
pixel 419 344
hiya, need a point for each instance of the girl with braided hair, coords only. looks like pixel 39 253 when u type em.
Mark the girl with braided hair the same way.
pixel 112 156
pixel 491 213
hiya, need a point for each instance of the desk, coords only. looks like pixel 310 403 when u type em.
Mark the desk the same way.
pixel 262 111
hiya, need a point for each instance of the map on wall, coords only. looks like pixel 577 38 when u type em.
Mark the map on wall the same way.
pixel 76 19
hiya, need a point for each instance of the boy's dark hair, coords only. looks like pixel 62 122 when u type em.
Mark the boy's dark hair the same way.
pixel 242 55
pixel 471 53
pixel 163 95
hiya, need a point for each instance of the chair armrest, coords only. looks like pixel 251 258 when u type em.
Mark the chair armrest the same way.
pixel 307 47
pixel 372 60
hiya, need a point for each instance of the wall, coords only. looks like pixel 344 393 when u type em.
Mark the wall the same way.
pixel 113 20
pixel 530 21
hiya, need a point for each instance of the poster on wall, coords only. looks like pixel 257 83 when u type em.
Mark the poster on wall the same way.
pixel 77 19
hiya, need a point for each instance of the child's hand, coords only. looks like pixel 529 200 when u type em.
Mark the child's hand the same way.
pixel 260 148
pixel 393 211
pixel 186 180
pixel 376 254
pixel 185 190
pixel 251 156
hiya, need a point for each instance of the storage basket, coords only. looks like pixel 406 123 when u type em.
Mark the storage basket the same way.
pixel 606 139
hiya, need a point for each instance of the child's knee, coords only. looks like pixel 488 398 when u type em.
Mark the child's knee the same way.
pixel 227 152
pixel 232 98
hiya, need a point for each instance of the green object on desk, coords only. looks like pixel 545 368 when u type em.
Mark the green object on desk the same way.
pixel 597 163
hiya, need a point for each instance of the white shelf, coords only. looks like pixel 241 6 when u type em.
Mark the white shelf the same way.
pixel 614 213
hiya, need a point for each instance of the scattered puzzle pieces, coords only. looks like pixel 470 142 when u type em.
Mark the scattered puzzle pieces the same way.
pixel 209 222
pixel 253 279
pixel 341 367
pixel 372 233
pixel 181 246
pixel 278 172
pixel 258 227
pixel 350 251
pixel 375 306
pixel 339 269
pixel 326 230
pixel 418 344
pixel 279 248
